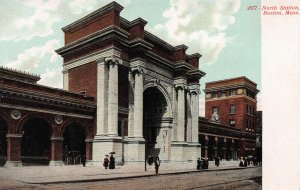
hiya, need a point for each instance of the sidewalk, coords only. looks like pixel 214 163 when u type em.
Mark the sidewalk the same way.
pixel 77 173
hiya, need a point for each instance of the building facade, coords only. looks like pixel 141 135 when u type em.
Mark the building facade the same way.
pixel 229 127
pixel 125 91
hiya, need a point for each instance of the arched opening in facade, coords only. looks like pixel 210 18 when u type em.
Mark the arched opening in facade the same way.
pixel 74 144
pixel 3 141
pixel 36 144
pixel 156 133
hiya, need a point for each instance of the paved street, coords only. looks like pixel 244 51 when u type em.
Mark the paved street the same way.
pixel 246 179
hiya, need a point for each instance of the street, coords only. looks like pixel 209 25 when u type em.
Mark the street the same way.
pixel 245 179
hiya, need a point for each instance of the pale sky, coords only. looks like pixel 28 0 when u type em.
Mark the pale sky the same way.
pixel 222 31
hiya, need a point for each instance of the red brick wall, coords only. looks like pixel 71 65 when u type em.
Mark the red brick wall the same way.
pixel 137 31
pixel 240 117
pixel 84 78
pixel 101 22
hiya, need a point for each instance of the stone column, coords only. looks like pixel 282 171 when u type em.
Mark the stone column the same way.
pixel 113 98
pixel 189 131
pixel 224 148
pixel 138 103
pixel 65 79
pixel 194 90
pixel 88 149
pixel 130 104
pixel 181 113
pixel 232 149
pixel 13 150
pixel 206 147
pixel 216 146
pixel 56 151
pixel 102 79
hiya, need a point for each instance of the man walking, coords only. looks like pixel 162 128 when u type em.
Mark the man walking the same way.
pixel 157 164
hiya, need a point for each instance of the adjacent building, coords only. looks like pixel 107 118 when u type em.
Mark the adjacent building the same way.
pixel 228 129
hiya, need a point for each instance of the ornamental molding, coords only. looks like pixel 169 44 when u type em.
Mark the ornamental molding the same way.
pixel 15 114
pixel 98 56
pixel 58 119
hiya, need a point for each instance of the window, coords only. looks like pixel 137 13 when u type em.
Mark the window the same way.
pixel 232 109
pixel 232 123
pixel 232 93
pixel 223 94
pixel 214 95
pixel 215 109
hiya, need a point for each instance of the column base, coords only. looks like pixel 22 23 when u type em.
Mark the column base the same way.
pixel 178 151
pixel 13 164
pixel 193 151
pixel 103 145
pixel 56 163
pixel 134 150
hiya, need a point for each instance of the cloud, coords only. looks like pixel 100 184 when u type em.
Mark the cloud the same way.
pixel 36 18
pixel 52 78
pixel 32 57
pixel 200 24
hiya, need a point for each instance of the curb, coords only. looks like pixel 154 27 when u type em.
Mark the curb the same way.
pixel 130 177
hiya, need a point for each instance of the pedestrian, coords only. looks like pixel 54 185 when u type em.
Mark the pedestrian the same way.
pixel 217 161
pixel 106 161
pixel 242 162
pixel 157 164
pixel 111 162
pixel 198 164
pixel 205 163
pixel 83 160
pixel 245 161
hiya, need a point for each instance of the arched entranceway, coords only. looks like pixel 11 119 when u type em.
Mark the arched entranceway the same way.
pixel 3 141
pixel 36 144
pixel 74 144
pixel 156 124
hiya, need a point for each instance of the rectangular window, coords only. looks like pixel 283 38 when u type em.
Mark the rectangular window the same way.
pixel 232 93
pixel 214 95
pixel 232 109
pixel 215 109
pixel 232 123
pixel 223 94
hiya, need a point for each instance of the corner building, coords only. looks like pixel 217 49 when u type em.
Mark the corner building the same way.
pixel 146 90
pixel 232 133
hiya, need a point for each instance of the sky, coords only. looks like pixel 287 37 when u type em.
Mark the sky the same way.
pixel 222 31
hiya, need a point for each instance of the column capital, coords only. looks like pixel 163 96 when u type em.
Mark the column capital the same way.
pixel 180 83
pixel 65 71
pixel 194 89
pixel 112 60
pixel 56 138
pixel 137 69
pixel 14 135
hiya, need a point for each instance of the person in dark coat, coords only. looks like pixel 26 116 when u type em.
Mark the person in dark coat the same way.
pixel 106 161
pixel 205 166
pixel 83 160
pixel 217 161
pixel 111 162
pixel 198 164
pixel 157 164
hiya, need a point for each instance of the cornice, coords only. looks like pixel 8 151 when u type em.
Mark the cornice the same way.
pixel 91 16
pixel 92 37
pixel 230 87
pixel 158 41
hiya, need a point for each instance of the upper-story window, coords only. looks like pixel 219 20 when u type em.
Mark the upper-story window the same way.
pixel 215 109
pixel 214 95
pixel 232 123
pixel 232 93
pixel 223 94
pixel 232 109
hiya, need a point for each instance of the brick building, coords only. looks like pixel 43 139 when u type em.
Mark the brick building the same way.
pixel 229 127
pixel 125 91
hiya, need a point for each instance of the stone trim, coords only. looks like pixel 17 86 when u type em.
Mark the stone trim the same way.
pixel 46 111
pixel 13 135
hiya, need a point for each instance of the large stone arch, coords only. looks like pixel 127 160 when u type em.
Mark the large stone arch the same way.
pixel 161 88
